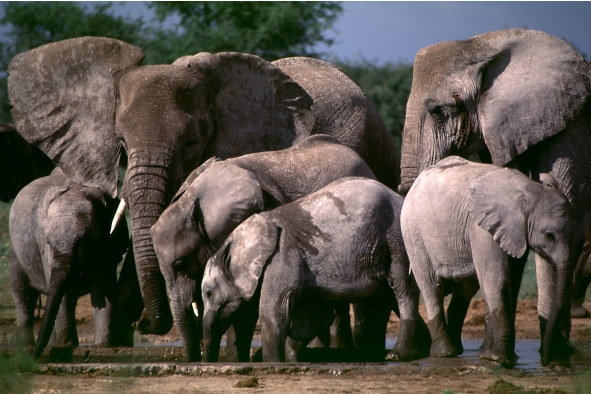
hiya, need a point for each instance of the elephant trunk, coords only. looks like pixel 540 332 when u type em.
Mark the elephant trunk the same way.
pixel 409 160
pixel 556 332
pixel 58 284
pixel 212 336
pixel 188 323
pixel 146 189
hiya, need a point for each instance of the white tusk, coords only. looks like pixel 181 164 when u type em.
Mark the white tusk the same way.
pixel 118 215
pixel 195 310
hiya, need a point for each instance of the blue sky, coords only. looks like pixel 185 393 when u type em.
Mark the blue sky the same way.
pixel 394 31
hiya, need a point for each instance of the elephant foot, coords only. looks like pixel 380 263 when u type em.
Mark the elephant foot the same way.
pixel 442 348
pixel 579 312
pixel 414 341
pixel 505 360
pixel 458 345
pixel 441 345
pixel 559 356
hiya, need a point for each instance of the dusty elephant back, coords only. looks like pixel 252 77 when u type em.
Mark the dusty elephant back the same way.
pixel 342 110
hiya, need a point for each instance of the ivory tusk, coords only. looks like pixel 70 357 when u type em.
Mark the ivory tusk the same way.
pixel 195 310
pixel 118 215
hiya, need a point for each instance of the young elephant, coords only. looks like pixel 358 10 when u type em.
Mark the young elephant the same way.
pixel 339 244
pixel 463 221
pixel 61 246
pixel 217 197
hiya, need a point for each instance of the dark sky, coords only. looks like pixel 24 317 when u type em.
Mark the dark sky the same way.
pixel 394 31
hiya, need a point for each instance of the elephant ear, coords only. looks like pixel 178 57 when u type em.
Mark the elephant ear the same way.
pixel 225 195
pixel 64 99
pixel 256 105
pixel 497 202
pixel 533 84
pixel 192 176
pixel 254 243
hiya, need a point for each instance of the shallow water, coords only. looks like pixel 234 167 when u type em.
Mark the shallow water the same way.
pixel 527 351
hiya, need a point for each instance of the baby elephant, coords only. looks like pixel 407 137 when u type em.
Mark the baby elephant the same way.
pixel 61 246
pixel 341 243
pixel 217 197
pixel 467 224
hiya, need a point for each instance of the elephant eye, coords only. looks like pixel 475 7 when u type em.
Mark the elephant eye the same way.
pixel 179 265
pixel 550 236
pixel 436 111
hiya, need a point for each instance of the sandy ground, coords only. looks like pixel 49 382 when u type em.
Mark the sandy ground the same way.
pixel 464 374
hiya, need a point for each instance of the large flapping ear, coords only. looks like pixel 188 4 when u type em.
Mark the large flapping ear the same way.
pixel 225 195
pixel 533 84
pixel 497 204
pixel 64 98
pixel 257 106
pixel 254 243
pixel 192 176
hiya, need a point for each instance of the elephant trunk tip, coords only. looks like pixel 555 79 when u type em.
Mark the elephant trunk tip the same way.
pixel 157 326
pixel 404 187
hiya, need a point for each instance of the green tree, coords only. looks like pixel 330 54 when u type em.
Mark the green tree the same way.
pixel 388 87
pixel 271 30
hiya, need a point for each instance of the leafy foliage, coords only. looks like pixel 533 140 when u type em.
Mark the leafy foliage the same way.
pixel 271 30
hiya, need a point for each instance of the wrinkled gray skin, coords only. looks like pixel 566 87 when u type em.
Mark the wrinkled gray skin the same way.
pixel 170 118
pixel 341 243
pixel 517 98
pixel 20 162
pixel 463 220
pixel 61 245
pixel 218 196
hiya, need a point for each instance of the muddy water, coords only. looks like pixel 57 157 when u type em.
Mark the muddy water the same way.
pixel 167 358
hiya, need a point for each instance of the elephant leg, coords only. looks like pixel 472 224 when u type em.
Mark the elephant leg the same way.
pixel 581 280
pixel 340 329
pixel 274 328
pixel 462 294
pixel 500 326
pixel 129 304
pixel 371 320
pixel 64 332
pixel 25 298
pixel 244 331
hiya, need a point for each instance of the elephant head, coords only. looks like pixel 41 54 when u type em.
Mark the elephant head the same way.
pixel 496 94
pixel 82 100
pixel 191 229
pixel 519 213
pixel 232 276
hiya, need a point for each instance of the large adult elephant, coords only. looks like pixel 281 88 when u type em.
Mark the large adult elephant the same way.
pixel 82 100
pixel 518 98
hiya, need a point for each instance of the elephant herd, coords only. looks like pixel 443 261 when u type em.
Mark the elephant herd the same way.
pixel 272 192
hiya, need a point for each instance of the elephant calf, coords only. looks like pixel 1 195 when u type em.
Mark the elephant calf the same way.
pixel 218 196
pixel 339 244
pixel 467 224
pixel 61 246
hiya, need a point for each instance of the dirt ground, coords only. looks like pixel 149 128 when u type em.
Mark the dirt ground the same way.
pixel 145 371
